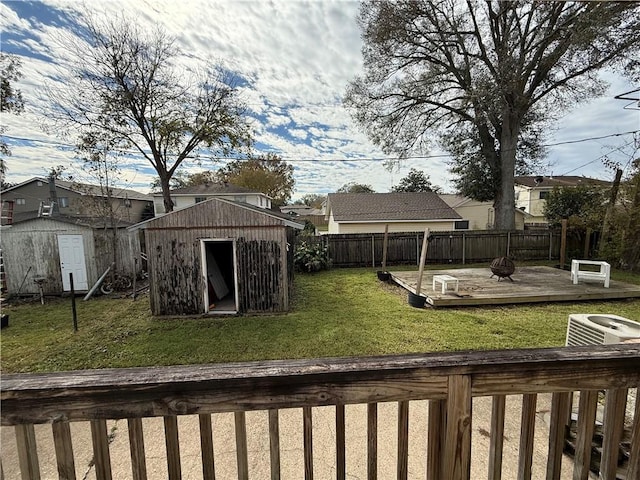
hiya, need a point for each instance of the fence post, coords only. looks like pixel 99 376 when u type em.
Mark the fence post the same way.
pixel 464 249
pixel 508 243
pixel 373 250
pixel 550 244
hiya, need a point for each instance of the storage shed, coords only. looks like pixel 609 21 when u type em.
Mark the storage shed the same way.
pixel 219 257
pixel 44 250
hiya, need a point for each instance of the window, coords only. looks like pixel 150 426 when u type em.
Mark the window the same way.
pixel 39 183
pixel 63 202
pixel 20 201
pixel 544 195
pixel 200 199
pixel 462 225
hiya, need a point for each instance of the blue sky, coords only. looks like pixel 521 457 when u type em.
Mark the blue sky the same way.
pixel 297 58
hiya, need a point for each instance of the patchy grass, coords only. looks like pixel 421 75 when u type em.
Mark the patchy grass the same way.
pixel 345 312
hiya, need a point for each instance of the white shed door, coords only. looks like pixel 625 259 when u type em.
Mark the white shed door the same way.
pixel 72 261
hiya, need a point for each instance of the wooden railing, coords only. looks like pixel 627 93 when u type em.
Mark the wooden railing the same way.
pixel 449 381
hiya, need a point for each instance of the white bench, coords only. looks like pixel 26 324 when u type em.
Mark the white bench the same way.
pixel 445 280
pixel 602 275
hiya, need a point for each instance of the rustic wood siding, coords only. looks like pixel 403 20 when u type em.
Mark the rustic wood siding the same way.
pixel 35 244
pixel 175 264
pixel 30 249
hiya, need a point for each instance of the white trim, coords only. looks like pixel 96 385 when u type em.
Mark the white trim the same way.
pixel 434 220
pixel 203 257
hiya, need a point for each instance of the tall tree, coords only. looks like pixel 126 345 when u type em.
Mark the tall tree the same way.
pixel 353 187
pixel 128 84
pixel 11 101
pixel 415 181
pixel 482 77
pixel 268 174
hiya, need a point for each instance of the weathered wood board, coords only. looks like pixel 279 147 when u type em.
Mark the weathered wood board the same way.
pixel 530 284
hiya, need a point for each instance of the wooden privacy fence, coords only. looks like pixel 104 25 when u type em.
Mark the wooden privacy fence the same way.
pixel 364 250
pixel 448 381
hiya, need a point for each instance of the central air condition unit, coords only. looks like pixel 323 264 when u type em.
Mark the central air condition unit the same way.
pixel 600 329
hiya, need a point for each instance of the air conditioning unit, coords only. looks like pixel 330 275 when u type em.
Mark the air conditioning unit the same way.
pixel 600 329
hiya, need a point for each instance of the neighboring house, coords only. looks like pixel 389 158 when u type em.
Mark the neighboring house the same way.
pixel 46 249
pixel 479 215
pixel 187 196
pixel 33 197
pixel 531 192
pixel 219 257
pixel 403 212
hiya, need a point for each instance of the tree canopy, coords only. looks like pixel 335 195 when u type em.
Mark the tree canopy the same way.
pixel 314 200
pixel 11 101
pixel 127 83
pixel 415 181
pixel 268 174
pixel 482 79
pixel 353 187
pixel 583 205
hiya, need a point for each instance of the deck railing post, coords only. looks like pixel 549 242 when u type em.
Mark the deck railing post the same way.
pixel 497 437
pixel 457 449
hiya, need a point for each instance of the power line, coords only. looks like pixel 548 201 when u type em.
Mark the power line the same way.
pixel 354 159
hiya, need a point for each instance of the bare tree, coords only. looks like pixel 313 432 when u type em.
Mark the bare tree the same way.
pixel 482 78
pixel 127 84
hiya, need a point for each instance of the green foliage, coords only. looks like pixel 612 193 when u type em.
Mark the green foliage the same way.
pixel 583 205
pixel 415 181
pixel 311 257
pixel 314 200
pixel 353 187
pixel 268 174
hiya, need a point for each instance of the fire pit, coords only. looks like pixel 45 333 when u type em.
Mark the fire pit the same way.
pixel 502 267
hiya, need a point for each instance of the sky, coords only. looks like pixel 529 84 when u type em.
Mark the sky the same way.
pixel 298 58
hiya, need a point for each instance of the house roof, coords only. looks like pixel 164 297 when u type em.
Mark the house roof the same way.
pixel 459 201
pixel 285 219
pixel 211 189
pixel 86 189
pixel 92 222
pixel 395 206
pixel 533 181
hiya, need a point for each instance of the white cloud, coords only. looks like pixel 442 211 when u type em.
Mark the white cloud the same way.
pixel 298 57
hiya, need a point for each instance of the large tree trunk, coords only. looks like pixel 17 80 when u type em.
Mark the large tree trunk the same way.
pixel 166 193
pixel 505 202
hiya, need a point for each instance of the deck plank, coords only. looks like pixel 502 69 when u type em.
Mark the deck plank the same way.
pixel 530 285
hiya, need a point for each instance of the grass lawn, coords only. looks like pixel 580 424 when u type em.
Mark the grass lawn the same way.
pixel 342 312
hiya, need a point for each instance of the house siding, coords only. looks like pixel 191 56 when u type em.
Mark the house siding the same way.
pixel 378 227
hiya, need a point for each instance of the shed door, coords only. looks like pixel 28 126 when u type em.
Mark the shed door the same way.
pixel 72 260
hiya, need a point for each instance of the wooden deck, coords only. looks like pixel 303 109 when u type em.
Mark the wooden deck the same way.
pixel 530 284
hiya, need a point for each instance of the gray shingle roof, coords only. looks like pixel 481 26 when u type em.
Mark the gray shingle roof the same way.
pixel 559 181
pixel 395 206
pixel 211 189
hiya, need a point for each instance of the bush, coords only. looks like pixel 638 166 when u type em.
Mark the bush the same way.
pixel 311 258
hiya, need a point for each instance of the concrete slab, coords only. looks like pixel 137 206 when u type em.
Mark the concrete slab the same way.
pixel 291 448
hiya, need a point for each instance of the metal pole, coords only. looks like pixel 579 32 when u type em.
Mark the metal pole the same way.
pixel 74 313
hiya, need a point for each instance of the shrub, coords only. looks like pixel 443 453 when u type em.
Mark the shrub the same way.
pixel 311 257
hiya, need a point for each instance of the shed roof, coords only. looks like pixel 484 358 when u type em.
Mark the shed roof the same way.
pixel 395 206
pixel 209 206
pixel 91 222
